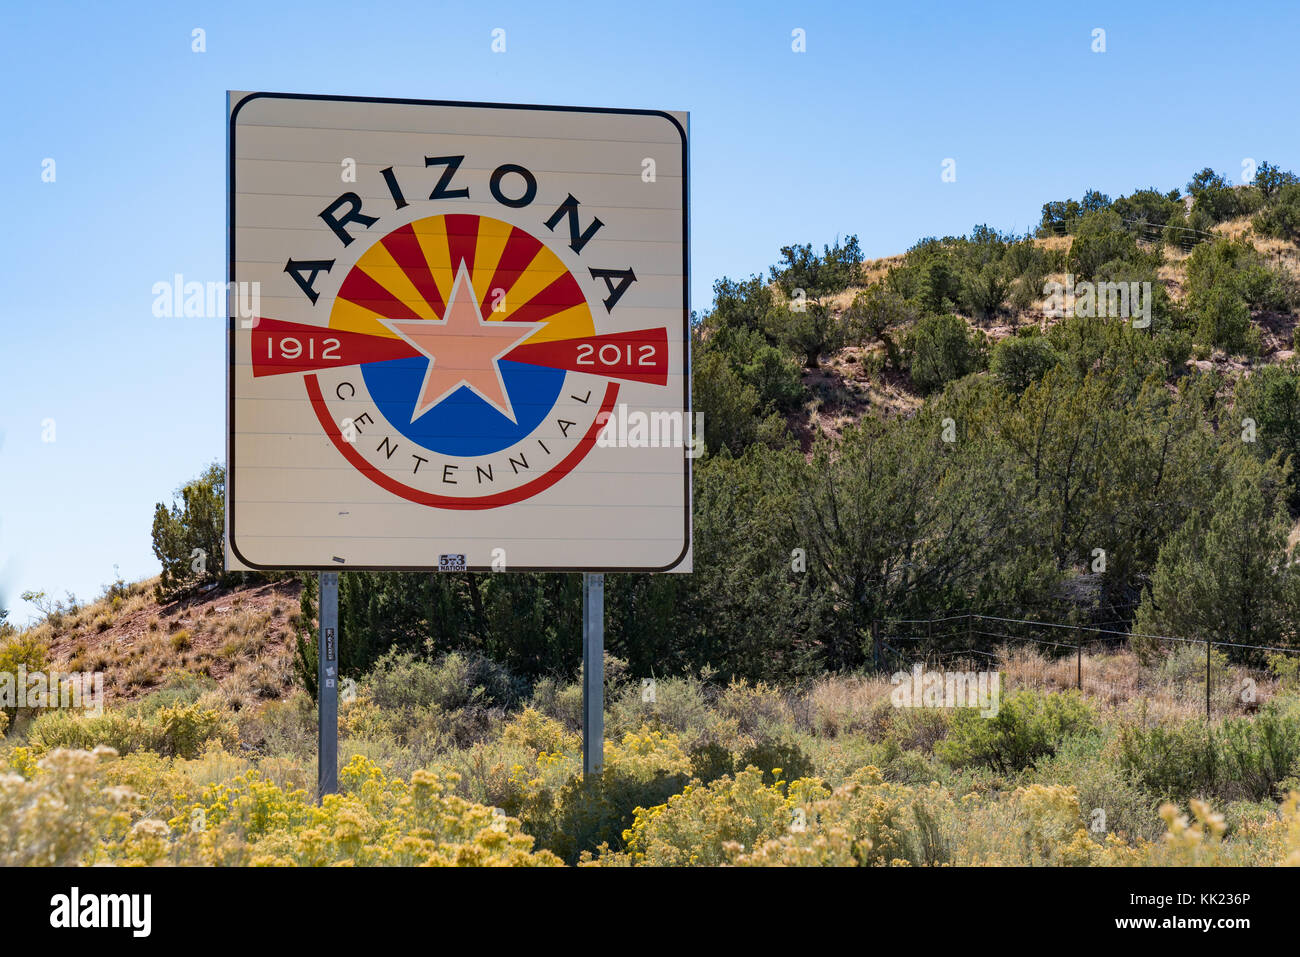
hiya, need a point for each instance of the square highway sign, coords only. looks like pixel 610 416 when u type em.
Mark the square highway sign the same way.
pixel 457 330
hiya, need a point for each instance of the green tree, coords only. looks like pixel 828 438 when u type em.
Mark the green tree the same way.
pixel 1147 207
pixel 905 517
pixel 729 405
pixel 813 331
pixel 1224 575
pixel 1101 238
pixel 1019 361
pixel 876 315
pixel 740 304
pixel 836 269
pixel 1059 217
pixel 1269 179
pixel 1226 279
pixel 1268 414
pixel 939 349
pixel 189 537
pixel 1214 199
pixel 1281 217
pixel 985 289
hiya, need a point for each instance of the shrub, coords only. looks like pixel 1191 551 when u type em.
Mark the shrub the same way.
pixel 747 821
pixel 1286 667
pixel 939 349
pixel 533 730
pixel 876 314
pixel 1215 200
pixel 1281 218
pixel 755 708
pixel 563 702
pixel 1019 361
pixel 54 815
pixel 374 820
pixel 680 705
pixel 1101 238
pixel 25 650
pixel 835 269
pixel 1227 278
pixel 985 289
pixel 1244 758
pixel 813 331
pixel 181 730
pixel 569 813
pixel 1225 323
pixel 1102 785
pixel 701 825
pixel 1029 725
pixel 405 682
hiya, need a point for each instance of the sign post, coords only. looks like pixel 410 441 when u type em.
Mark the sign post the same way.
pixel 327 688
pixel 593 673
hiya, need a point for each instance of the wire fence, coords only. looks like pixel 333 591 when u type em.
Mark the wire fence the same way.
pixel 1165 674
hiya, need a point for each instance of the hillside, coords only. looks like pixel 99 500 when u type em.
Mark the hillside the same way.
pixel 241 637
pixel 852 383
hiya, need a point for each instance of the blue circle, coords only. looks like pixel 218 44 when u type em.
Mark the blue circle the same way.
pixel 463 424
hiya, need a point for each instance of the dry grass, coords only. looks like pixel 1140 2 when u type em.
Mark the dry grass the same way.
pixel 843 704
pixel 1055 242
pixel 1167 688
pixel 135 642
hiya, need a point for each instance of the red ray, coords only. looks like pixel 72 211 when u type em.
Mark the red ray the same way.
pixel 359 288
pixel 520 250
pixel 316 347
pixel 640 355
pixel 462 238
pixel 404 246
pixel 562 294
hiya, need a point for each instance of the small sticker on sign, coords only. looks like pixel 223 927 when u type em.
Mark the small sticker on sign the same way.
pixel 451 563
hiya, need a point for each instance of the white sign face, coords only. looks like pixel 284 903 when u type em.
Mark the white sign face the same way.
pixel 459 336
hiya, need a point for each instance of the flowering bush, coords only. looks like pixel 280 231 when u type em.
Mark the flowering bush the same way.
pixel 726 789
pixel 180 730
pixel 64 811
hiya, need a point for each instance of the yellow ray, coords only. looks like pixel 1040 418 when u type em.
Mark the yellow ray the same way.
pixel 572 323
pixel 432 234
pixel 491 242
pixel 349 317
pixel 378 263
pixel 540 273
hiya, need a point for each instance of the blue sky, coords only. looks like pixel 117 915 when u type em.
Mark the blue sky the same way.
pixel 847 137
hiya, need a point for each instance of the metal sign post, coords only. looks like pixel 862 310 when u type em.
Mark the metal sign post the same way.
pixel 327 688
pixel 593 673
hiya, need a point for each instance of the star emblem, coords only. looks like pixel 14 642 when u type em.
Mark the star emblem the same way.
pixel 463 349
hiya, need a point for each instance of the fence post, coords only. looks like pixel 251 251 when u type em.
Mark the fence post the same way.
pixel 875 641
pixel 1078 658
pixel 1207 677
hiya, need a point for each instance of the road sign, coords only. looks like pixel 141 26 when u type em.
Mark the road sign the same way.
pixel 458 336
